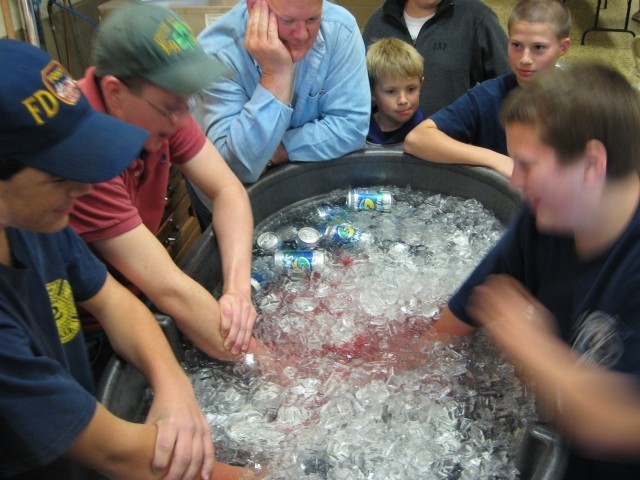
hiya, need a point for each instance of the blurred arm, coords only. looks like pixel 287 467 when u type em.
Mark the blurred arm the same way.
pixel 598 408
pixel 449 324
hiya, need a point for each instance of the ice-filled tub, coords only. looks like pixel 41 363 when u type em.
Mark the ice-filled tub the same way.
pixel 123 390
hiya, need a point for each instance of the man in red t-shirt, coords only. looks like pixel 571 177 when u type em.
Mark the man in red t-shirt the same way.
pixel 147 65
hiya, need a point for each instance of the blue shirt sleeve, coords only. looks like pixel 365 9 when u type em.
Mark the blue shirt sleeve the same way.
pixel 329 113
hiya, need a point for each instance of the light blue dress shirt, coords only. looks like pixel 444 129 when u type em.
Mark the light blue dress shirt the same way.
pixel 330 106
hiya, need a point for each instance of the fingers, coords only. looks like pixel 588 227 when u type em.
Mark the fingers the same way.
pixel 239 314
pixel 509 311
pixel 183 442
pixel 209 453
pixel 257 26
pixel 272 27
pixel 262 41
pixel 187 456
pixel 165 442
pixel 251 4
pixel 226 317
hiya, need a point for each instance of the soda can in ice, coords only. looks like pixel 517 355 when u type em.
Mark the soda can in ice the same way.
pixel 268 242
pixel 262 273
pixel 368 199
pixel 333 213
pixel 345 234
pixel 287 234
pixel 258 282
pixel 298 261
pixel 308 238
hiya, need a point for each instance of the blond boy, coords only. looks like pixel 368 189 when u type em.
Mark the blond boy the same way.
pixel 468 131
pixel 395 71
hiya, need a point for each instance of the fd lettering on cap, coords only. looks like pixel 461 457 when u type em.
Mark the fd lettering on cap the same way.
pixel 60 87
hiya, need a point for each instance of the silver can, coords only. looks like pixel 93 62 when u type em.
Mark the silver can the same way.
pixel 268 242
pixel 345 234
pixel 287 233
pixel 367 199
pixel 308 237
pixel 298 261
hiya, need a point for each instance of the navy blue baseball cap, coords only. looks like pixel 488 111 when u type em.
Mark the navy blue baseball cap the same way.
pixel 46 123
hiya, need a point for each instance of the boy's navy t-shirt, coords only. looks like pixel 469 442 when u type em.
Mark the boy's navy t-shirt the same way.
pixel 475 117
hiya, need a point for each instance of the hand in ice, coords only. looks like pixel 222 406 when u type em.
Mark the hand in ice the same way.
pixel 510 312
pixel 238 316
pixel 183 442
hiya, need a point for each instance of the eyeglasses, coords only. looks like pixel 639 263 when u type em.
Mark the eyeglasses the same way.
pixel 172 115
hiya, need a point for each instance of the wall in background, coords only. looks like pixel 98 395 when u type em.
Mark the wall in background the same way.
pixel 70 39
pixel 361 9
pixel 65 36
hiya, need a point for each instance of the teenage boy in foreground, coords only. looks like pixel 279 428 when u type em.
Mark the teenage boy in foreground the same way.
pixel 53 147
pixel 468 131
pixel 559 292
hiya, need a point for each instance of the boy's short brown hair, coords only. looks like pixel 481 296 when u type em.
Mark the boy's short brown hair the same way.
pixel 395 58
pixel 566 113
pixel 542 11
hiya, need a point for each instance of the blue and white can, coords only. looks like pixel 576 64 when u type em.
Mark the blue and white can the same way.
pixel 367 199
pixel 298 261
pixel 345 234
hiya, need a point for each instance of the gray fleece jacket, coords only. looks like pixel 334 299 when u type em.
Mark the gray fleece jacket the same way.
pixel 462 44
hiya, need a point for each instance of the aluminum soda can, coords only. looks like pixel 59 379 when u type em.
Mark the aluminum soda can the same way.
pixel 268 242
pixel 287 233
pixel 298 261
pixel 345 234
pixel 258 282
pixel 333 213
pixel 308 238
pixel 366 199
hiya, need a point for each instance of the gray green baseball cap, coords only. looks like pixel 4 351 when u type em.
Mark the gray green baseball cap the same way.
pixel 156 44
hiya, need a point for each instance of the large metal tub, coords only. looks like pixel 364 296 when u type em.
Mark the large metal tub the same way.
pixel 122 389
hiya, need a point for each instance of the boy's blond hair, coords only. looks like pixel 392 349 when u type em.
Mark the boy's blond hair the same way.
pixel 542 11
pixel 394 58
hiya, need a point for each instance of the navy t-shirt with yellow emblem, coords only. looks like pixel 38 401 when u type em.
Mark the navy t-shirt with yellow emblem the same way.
pixel 46 387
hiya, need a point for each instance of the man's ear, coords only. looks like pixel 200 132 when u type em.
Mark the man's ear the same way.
pixel 595 158
pixel 565 43
pixel 113 91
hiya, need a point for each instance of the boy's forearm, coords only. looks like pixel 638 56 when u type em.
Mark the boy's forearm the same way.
pixel 426 141
pixel 116 448
pixel 134 335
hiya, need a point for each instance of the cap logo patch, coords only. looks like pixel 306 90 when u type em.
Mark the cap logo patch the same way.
pixel 60 87
pixel 175 36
